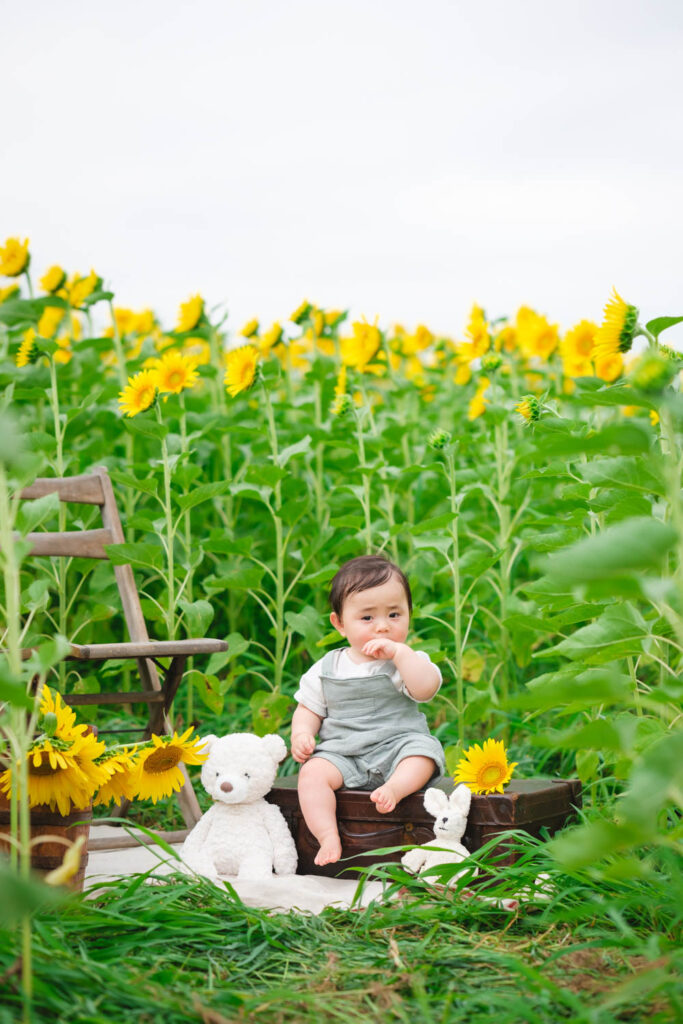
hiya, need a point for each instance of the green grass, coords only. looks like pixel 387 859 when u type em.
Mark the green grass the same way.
pixel 182 950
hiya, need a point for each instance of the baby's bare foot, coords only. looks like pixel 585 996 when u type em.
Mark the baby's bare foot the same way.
pixel 385 798
pixel 330 850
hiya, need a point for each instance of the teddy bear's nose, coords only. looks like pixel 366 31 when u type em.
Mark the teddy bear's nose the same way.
pixel 226 787
pixel 444 820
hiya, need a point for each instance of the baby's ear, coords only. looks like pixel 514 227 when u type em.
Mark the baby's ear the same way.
pixel 337 623
pixel 460 799
pixel 435 801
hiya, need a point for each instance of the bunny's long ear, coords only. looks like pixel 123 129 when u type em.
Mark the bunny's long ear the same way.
pixel 460 799
pixel 435 801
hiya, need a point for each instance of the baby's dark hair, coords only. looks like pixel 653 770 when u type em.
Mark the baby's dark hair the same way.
pixel 362 573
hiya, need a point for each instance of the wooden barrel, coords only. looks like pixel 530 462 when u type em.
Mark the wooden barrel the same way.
pixel 48 853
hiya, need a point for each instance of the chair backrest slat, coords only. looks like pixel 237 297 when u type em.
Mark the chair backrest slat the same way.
pixel 81 544
pixel 95 489
pixel 85 490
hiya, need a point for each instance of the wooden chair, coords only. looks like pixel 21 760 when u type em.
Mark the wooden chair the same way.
pixel 95 489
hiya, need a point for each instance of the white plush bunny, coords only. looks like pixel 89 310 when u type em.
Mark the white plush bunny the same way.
pixel 450 815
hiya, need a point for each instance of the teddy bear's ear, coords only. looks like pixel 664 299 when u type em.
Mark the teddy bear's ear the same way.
pixel 435 801
pixel 460 799
pixel 208 742
pixel 275 746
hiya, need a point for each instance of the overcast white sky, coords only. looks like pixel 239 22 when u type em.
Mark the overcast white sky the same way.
pixel 401 158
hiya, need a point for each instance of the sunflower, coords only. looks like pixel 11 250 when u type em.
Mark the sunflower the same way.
pixel 9 292
pixel 157 773
pixel 14 257
pixel 54 778
pixel 53 279
pixel 618 329
pixel 478 403
pixel 241 369
pixel 80 288
pixel 301 312
pixel 28 350
pixel 176 372
pixel 271 338
pixel 477 331
pixel 198 350
pixel 64 351
pixel 359 350
pixel 609 367
pixel 190 313
pixel 119 786
pixel 140 392
pixel 485 769
pixel 51 703
pixel 50 319
pixel 250 329
pixel 529 408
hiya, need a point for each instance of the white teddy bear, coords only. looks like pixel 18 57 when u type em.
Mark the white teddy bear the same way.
pixel 241 834
pixel 449 827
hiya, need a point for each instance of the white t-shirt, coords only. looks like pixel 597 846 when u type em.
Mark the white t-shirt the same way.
pixel 310 692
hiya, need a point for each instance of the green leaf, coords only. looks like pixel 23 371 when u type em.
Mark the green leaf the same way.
pixel 268 710
pixel 587 762
pixel 619 632
pixel 32 513
pixel 265 476
pixel 634 472
pixel 12 689
pixel 202 493
pixel 627 547
pixel 661 323
pixel 569 690
pixel 145 424
pixel 286 454
pixel 209 689
pixel 146 556
pixel 247 578
pixel 129 480
pixel 306 623
pixel 583 846
pixel 237 645
pixel 198 617
pixel 438 523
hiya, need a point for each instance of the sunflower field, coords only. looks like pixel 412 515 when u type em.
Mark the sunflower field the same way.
pixel 528 481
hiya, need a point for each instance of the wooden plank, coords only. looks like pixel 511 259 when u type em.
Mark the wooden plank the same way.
pixel 77 544
pixel 128 697
pixel 125 840
pixel 86 489
pixel 148 649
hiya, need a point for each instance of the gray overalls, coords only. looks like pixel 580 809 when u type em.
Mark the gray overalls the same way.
pixel 370 727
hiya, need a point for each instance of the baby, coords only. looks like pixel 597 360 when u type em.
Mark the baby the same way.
pixel 362 702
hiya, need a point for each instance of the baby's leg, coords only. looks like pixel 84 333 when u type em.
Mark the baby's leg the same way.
pixel 409 775
pixel 318 780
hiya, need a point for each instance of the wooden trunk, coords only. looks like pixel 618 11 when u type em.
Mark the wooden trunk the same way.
pixel 527 804
pixel 48 853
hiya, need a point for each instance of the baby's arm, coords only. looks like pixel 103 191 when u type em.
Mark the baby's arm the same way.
pixel 420 676
pixel 305 726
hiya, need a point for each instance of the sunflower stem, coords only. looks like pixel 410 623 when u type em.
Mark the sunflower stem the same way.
pixel 457 597
pixel 170 533
pixel 279 548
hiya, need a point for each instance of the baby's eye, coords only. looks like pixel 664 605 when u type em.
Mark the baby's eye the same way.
pixel 394 615
pixel 366 618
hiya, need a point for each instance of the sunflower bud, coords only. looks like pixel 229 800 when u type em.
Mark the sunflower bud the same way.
pixel 652 372
pixel 49 723
pixel 250 329
pixel 301 313
pixel 529 408
pixel 439 439
pixel 491 361
pixel 343 405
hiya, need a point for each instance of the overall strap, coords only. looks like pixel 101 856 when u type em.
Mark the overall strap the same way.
pixel 327 667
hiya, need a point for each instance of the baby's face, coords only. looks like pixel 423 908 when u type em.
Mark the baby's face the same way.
pixel 378 612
